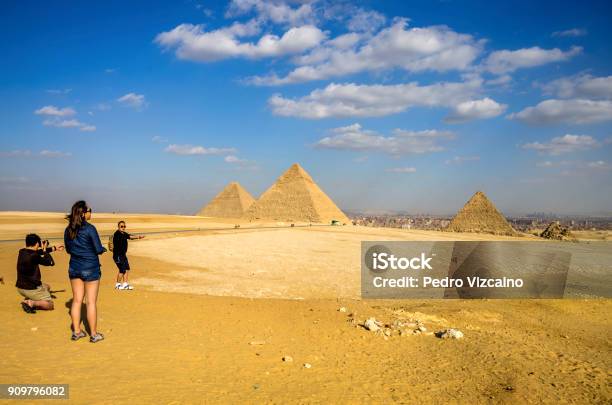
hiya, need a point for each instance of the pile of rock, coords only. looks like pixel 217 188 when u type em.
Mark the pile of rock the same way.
pixel 450 334
pixel 556 232
pixel 410 327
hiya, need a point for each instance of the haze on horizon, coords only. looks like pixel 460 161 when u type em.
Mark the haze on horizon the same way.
pixel 156 106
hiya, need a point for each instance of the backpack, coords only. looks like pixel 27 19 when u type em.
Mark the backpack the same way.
pixel 110 242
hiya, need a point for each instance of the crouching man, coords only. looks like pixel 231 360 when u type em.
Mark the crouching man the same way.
pixel 36 294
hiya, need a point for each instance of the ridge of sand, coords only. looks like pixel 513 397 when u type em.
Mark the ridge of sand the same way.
pixel 479 214
pixel 231 202
pixel 295 197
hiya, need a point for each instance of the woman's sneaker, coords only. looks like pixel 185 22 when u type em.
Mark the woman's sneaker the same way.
pixel 96 338
pixel 126 286
pixel 118 286
pixel 77 336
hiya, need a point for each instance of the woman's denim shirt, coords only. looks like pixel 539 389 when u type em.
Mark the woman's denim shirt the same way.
pixel 84 248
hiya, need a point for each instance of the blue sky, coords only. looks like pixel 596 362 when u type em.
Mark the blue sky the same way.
pixel 404 106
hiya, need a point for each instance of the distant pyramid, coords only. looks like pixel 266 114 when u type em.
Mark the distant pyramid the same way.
pixel 555 231
pixel 480 215
pixel 232 202
pixel 295 197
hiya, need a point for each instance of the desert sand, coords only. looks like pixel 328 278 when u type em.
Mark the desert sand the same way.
pixel 215 309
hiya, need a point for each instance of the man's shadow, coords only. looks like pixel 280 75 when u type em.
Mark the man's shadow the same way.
pixel 83 315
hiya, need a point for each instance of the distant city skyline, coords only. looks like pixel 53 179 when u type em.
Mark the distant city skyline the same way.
pixel 390 106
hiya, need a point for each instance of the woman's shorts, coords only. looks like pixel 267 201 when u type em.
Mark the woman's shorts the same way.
pixel 122 263
pixel 85 275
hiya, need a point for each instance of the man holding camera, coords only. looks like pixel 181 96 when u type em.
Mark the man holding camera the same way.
pixel 36 294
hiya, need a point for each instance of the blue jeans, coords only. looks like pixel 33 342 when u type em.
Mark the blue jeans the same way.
pixel 85 275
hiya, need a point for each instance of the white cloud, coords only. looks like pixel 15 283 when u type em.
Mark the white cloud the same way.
pixel 55 111
pixel 575 166
pixel 72 123
pixel 563 144
pixel 159 139
pixel 206 11
pixel 505 61
pixel 58 118
pixel 436 48
pixel 16 153
pixel 43 153
pixel 136 101
pixel 352 100
pixel 580 86
pixel 574 32
pixel 574 111
pixel 87 128
pixel 459 160
pixel 275 11
pixel 62 123
pixel 234 159
pixel 362 20
pixel 193 43
pixel 110 70
pixel 402 142
pixel 197 150
pixel 54 154
pixel 402 170
pixel 599 164
pixel 500 80
pixel 475 109
pixel 241 164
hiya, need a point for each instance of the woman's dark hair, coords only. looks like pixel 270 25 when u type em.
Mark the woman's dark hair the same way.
pixel 76 218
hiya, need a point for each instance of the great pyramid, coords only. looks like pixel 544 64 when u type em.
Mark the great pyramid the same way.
pixel 232 202
pixel 480 215
pixel 295 197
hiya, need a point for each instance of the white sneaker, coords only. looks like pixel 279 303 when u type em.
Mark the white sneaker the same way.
pixel 126 286
pixel 118 286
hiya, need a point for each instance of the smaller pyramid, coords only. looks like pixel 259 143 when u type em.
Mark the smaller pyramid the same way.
pixel 295 197
pixel 480 215
pixel 232 202
pixel 557 232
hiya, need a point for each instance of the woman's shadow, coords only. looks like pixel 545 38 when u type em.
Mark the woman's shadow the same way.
pixel 83 316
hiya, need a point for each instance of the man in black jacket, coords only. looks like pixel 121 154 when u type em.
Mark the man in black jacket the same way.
pixel 36 294
pixel 120 247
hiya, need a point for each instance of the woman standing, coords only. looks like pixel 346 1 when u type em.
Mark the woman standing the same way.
pixel 84 246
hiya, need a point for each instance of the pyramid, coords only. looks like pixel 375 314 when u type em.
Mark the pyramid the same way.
pixel 555 231
pixel 232 202
pixel 295 197
pixel 480 215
